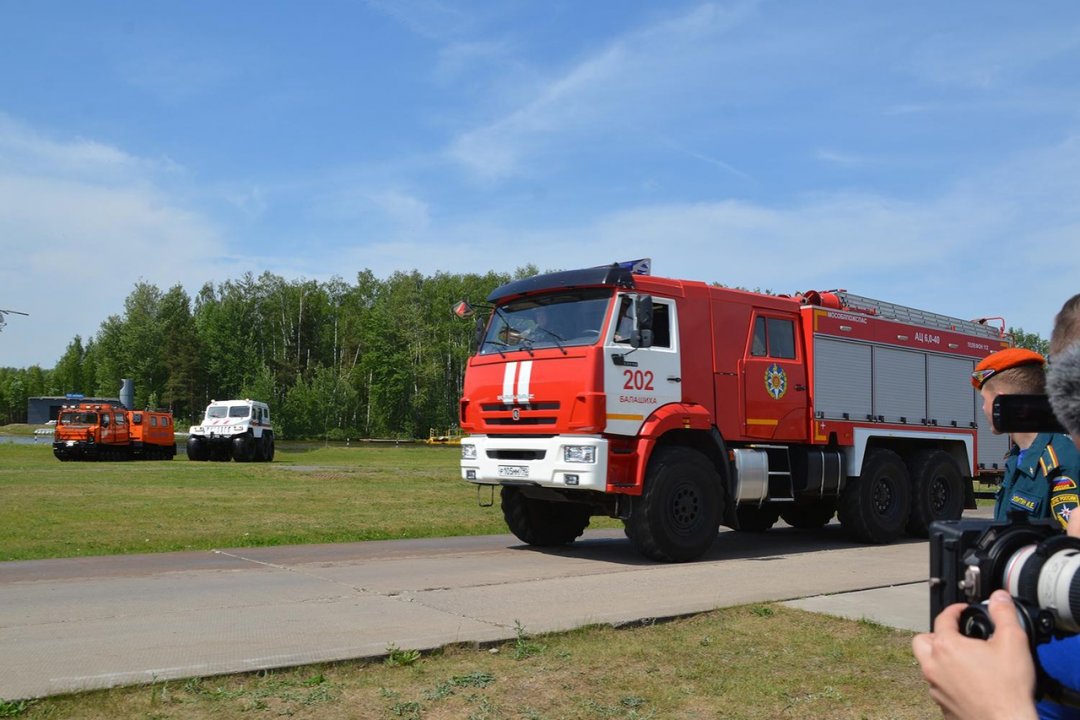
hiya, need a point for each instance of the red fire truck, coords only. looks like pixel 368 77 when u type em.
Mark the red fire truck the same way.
pixel 678 406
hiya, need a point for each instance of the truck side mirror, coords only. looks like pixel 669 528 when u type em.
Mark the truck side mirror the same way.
pixel 642 336
pixel 463 309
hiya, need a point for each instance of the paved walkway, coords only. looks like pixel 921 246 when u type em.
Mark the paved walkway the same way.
pixel 68 625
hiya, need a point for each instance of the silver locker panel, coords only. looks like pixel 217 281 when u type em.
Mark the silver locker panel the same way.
pixel 949 391
pixel 899 385
pixel 842 379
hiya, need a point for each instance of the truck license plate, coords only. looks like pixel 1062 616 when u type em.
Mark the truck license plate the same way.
pixel 513 471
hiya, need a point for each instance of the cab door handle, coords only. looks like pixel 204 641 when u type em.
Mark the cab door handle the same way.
pixel 672 378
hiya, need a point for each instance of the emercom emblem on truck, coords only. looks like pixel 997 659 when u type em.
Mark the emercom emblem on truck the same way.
pixel 776 381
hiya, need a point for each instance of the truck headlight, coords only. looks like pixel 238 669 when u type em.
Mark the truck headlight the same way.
pixel 579 454
pixel 468 452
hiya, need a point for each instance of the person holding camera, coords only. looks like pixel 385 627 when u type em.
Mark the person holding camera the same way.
pixel 1041 470
pixel 995 679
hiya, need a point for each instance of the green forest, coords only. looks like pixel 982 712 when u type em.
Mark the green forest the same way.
pixel 372 358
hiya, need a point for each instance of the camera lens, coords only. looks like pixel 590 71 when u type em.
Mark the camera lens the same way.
pixel 975 622
pixel 1048 576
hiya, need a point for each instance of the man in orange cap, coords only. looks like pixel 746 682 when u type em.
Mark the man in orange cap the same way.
pixel 1042 469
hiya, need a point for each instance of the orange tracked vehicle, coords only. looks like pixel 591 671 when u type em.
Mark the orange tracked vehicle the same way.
pixel 96 431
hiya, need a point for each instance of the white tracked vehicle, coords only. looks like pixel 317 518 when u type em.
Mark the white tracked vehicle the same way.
pixel 237 429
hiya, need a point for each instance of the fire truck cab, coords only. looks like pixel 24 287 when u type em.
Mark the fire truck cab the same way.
pixel 679 406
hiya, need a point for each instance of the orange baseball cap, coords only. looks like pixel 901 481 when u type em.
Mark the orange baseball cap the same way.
pixel 1003 360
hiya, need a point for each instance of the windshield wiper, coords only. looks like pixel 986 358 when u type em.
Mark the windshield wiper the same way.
pixel 496 343
pixel 554 336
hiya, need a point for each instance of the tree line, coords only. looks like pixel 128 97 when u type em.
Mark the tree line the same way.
pixel 371 358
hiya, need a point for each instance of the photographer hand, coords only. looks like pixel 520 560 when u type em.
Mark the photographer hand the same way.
pixel 979 679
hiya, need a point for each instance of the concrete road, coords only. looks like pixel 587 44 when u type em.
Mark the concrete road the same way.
pixel 68 625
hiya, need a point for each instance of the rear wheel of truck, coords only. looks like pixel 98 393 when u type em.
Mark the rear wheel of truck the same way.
pixel 874 507
pixel 543 522
pixel 809 515
pixel 259 453
pixel 268 448
pixel 196 449
pixel 756 519
pixel 678 516
pixel 937 491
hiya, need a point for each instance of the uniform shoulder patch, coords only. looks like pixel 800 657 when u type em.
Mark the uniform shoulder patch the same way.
pixel 1063 506
pixel 1063 483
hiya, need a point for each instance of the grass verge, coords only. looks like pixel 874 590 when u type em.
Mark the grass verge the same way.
pixel 738 663
pixel 309 494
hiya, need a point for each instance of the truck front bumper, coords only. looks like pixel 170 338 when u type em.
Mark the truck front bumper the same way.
pixel 562 461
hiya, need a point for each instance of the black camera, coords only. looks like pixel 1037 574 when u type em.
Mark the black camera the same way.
pixel 1032 559
pixel 1024 414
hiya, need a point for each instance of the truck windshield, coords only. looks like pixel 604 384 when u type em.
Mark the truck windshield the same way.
pixel 217 411
pixel 562 319
pixel 239 411
pixel 79 418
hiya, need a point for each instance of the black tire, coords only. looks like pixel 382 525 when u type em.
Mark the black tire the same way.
pixel 809 515
pixel 752 518
pixel 259 453
pixel 937 491
pixel 544 523
pixel 268 453
pixel 197 450
pixel 243 448
pixel 874 507
pixel 678 516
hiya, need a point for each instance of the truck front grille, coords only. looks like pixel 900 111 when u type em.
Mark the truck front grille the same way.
pixel 516 454
pixel 527 415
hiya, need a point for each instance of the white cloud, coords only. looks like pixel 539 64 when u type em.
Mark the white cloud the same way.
pixel 408 213
pixel 34 154
pixel 615 87
pixel 427 18
pixel 460 59
pixel 1000 243
pixel 836 157
pixel 970 59
pixel 80 223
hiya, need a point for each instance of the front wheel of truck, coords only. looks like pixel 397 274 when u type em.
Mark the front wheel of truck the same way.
pixel 544 523
pixel 677 517
pixel 197 450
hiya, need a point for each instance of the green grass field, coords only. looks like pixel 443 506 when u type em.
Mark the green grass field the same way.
pixel 750 662
pixel 309 494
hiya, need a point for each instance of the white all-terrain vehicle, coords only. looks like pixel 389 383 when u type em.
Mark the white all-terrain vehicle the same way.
pixel 237 429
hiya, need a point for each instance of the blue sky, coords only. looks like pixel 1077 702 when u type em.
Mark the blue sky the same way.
pixel 922 153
